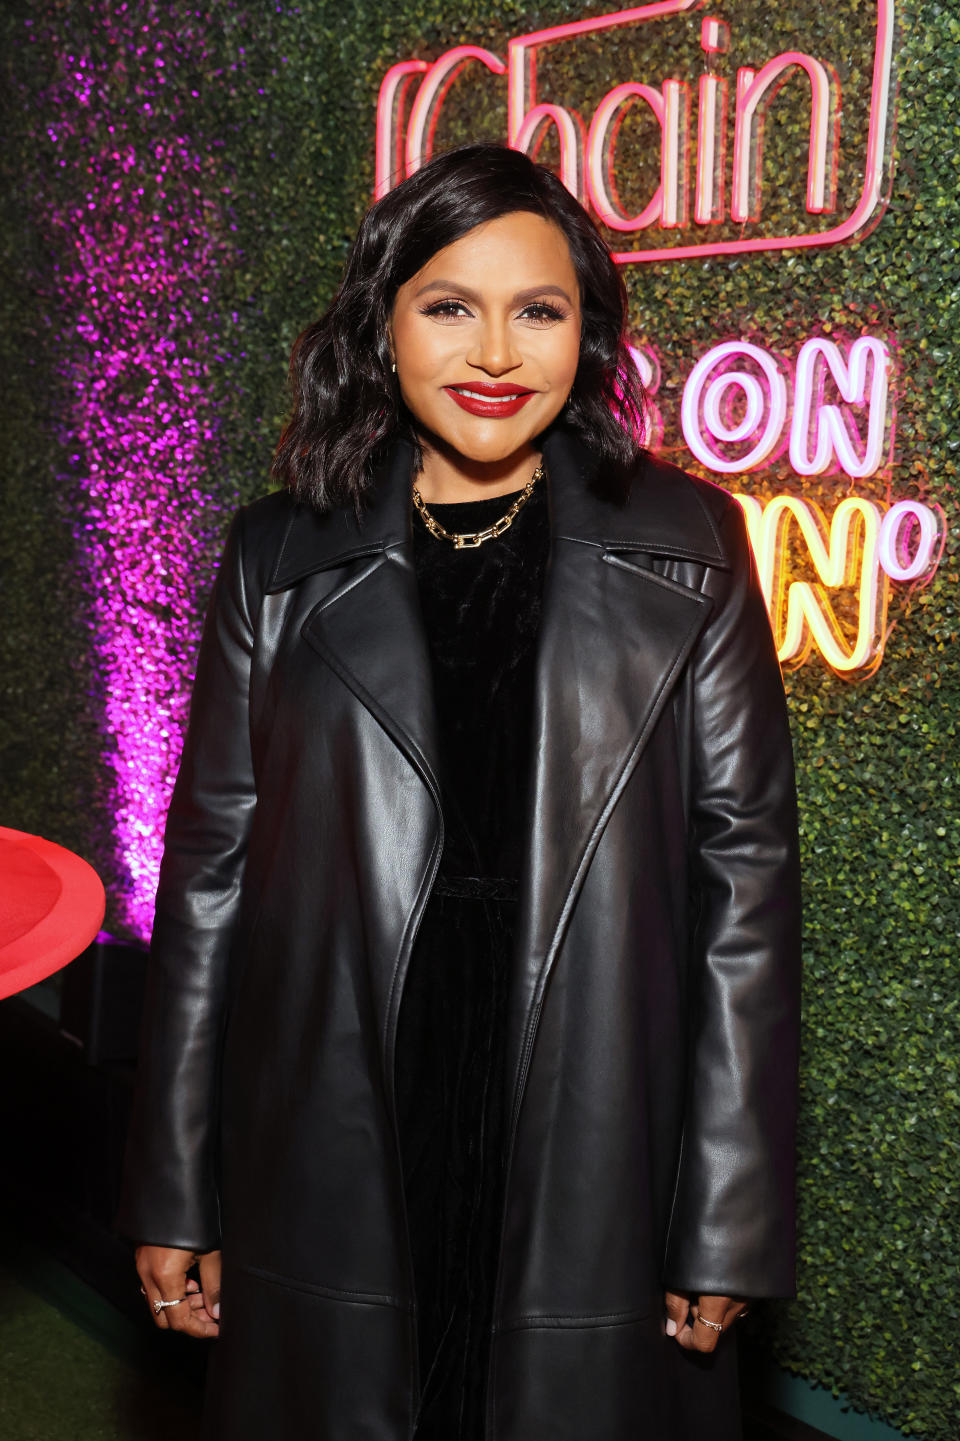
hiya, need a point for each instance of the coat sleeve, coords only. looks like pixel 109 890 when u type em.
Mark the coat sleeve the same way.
pixel 732 1222
pixel 169 1194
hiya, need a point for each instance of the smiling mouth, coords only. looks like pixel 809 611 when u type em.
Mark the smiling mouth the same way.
pixel 492 400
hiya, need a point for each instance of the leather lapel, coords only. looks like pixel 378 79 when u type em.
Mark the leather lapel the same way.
pixel 369 628
pixel 614 636
pixel 369 631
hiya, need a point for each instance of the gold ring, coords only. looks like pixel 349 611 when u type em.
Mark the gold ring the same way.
pixel 714 1325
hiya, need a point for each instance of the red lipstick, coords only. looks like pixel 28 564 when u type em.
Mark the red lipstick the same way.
pixel 490 399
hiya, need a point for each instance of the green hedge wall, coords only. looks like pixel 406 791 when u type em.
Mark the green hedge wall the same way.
pixel 241 165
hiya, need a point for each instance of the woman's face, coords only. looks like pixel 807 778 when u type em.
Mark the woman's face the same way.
pixel 486 339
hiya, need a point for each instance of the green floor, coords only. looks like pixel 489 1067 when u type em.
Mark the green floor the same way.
pixel 71 1370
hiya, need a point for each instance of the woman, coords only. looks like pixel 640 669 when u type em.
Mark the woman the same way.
pixel 471 1036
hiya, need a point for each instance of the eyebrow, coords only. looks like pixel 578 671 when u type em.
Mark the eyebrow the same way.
pixel 535 292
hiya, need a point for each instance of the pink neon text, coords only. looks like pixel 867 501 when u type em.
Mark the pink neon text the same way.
pixel 413 93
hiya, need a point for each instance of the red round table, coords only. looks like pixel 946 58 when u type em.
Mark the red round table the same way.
pixel 51 908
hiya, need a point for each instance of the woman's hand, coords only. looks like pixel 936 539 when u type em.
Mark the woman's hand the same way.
pixel 683 1313
pixel 163 1276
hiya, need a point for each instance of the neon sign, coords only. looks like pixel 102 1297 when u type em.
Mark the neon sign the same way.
pixel 822 436
pixel 741 408
pixel 860 547
pixel 693 158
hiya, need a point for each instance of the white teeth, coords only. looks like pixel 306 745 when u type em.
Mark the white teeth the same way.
pixel 490 399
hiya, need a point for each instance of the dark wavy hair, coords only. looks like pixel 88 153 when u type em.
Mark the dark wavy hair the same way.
pixel 346 409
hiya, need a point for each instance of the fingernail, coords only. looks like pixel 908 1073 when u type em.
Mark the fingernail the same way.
pixel 216 1310
pixel 671 1326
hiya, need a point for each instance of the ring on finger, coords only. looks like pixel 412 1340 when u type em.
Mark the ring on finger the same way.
pixel 714 1325
pixel 159 1306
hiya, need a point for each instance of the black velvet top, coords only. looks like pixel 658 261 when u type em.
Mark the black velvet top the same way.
pixel 481 611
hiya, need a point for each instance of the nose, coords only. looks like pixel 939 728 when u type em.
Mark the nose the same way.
pixel 493 350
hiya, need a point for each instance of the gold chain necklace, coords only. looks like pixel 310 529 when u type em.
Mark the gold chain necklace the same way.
pixel 471 541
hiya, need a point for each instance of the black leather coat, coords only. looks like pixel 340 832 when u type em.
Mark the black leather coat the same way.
pixel 652 1029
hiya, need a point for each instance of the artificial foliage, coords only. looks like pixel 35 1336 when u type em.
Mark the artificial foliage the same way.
pixel 182 181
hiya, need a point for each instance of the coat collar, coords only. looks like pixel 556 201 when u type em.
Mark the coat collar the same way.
pixel 665 514
pixel 314 542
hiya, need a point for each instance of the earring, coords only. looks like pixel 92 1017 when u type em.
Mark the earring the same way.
pixel 394 367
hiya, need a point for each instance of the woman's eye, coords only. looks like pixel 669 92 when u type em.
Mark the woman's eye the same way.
pixel 445 309
pixel 541 313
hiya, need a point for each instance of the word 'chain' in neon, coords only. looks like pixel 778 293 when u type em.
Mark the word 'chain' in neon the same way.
pixel 413 93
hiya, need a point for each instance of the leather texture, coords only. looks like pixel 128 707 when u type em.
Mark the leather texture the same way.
pixel 653 1012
